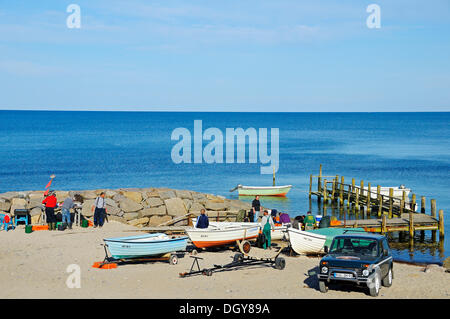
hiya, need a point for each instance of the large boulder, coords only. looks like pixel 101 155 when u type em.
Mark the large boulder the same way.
pixel 112 210
pixel 167 194
pixel 18 203
pixel 187 203
pixel 197 196
pixel 36 211
pixel 215 205
pixel 134 196
pixel 10 195
pixel 160 210
pixel 61 195
pixel 117 219
pixel 86 209
pixel 110 202
pixel 175 207
pixel 183 194
pixel 153 202
pixel 139 222
pixel 35 200
pixel 89 195
pixel 110 194
pixel 196 208
pixel 158 220
pixel 130 216
pixel 5 205
pixel 129 206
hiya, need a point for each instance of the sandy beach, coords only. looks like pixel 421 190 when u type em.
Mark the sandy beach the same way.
pixel 35 264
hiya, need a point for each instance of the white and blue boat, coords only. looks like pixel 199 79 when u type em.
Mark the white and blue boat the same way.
pixel 148 245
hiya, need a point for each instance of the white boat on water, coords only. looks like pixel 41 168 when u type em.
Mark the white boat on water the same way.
pixel 398 191
pixel 262 190
pixel 221 235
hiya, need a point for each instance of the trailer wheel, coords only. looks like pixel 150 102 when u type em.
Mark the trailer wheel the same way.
pixel 194 252
pixel 173 260
pixel 208 272
pixel 280 263
pixel 246 246
pixel 238 257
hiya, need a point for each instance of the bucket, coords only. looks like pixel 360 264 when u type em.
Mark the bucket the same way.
pixel 84 223
pixel 28 229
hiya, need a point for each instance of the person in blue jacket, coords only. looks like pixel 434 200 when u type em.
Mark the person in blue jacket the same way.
pixel 203 221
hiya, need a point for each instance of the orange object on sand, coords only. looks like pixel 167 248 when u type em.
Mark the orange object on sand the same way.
pixel 335 223
pixel 39 227
pixel 90 223
pixel 101 265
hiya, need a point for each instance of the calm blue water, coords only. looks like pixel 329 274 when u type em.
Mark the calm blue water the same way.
pixel 91 150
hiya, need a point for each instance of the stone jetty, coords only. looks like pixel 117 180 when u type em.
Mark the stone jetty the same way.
pixel 134 206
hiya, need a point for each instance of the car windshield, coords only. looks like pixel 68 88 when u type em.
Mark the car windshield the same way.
pixel 354 246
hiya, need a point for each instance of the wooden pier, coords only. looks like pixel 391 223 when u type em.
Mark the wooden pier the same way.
pixel 393 214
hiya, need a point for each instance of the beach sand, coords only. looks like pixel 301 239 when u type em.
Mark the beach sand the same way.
pixel 34 266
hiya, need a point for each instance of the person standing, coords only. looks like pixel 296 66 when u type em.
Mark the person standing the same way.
pixel 100 210
pixel 256 207
pixel 309 221
pixel 50 202
pixel 203 221
pixel 65 209
pixel 267 226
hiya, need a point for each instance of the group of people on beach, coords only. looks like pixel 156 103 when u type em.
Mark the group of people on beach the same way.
pixel 51 203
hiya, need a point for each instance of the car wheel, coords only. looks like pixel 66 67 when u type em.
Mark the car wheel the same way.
pixel 387 281
pixel 323 286
pixel 374 286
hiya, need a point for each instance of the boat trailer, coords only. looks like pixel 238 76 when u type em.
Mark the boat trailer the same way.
pixel 111 262
pixel 247 256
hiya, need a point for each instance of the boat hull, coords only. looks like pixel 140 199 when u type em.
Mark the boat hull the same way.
pixel 144 246
pixel 278 233
pixel 264 191
pixel 216 237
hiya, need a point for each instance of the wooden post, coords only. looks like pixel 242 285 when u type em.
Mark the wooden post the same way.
pixel 361 190
pixel 333 188
pixel 325 191
pixel 391 201
pixel 310 185
pixel 319 180
pixel 353 185
pixel 383 224
pixel 348 195
pixel 341 191
pixel 369 195
pixel 422 204
pixel 357 198
pixel 380 205
pixel 413 203
pixel 433 214
pixel 441 224
pixel 402 205
pixel 411 225
pixel 274 176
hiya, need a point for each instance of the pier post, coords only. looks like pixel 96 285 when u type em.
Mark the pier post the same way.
pixel 411 225
pixel 413 203
pixel 348 195
pixel 361 191
pixel 341 191
pixel 319 180
pixel 402 206
pixel 310 185
pixel 391 201
pixel 325 200
pixel 357 199
pixel 369 195
pixel 433 214
pixel 441 224
pixel 332 189
pixel 383 224
pixel 380 205
pixel 422 205
pixel 353 185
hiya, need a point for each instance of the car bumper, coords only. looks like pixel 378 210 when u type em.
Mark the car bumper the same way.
pixel 330 276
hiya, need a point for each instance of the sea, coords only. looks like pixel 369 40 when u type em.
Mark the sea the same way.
pixel 93 150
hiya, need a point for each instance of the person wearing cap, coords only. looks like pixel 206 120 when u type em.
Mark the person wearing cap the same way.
pixel 100 210
pixel 309 221
pixel 50 202
pixel 65 209
pixel 267 226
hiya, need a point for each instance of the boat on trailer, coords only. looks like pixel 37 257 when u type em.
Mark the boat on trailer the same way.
pixel 262 190
pixel 148 245
pixel 222 235
pixel 313 241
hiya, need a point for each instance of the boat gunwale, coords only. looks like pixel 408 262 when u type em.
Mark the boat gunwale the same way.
pixel 129 241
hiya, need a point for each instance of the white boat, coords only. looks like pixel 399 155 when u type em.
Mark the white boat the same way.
pixel 279 233
pixel 262 190
pixel 398 191
pixel 313 241
pixel 215 236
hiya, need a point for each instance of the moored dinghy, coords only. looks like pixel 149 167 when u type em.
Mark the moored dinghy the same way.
pixel 215 236
pixel 262 190
pixel 313 241
pixel 147 245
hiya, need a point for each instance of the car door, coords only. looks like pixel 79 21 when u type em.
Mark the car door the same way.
pixel 386 264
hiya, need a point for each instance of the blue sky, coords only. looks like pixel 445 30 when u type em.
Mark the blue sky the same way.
pixel 209 55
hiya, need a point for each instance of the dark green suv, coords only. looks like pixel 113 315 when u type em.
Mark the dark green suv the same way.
pixel 363 259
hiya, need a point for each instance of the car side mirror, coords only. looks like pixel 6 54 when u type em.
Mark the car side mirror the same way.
pixel 325 249
pixel 385 252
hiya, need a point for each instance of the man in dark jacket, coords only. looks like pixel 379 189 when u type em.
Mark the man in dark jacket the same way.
pixel 203 221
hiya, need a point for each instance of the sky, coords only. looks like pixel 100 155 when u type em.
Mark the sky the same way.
pixel 227 55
